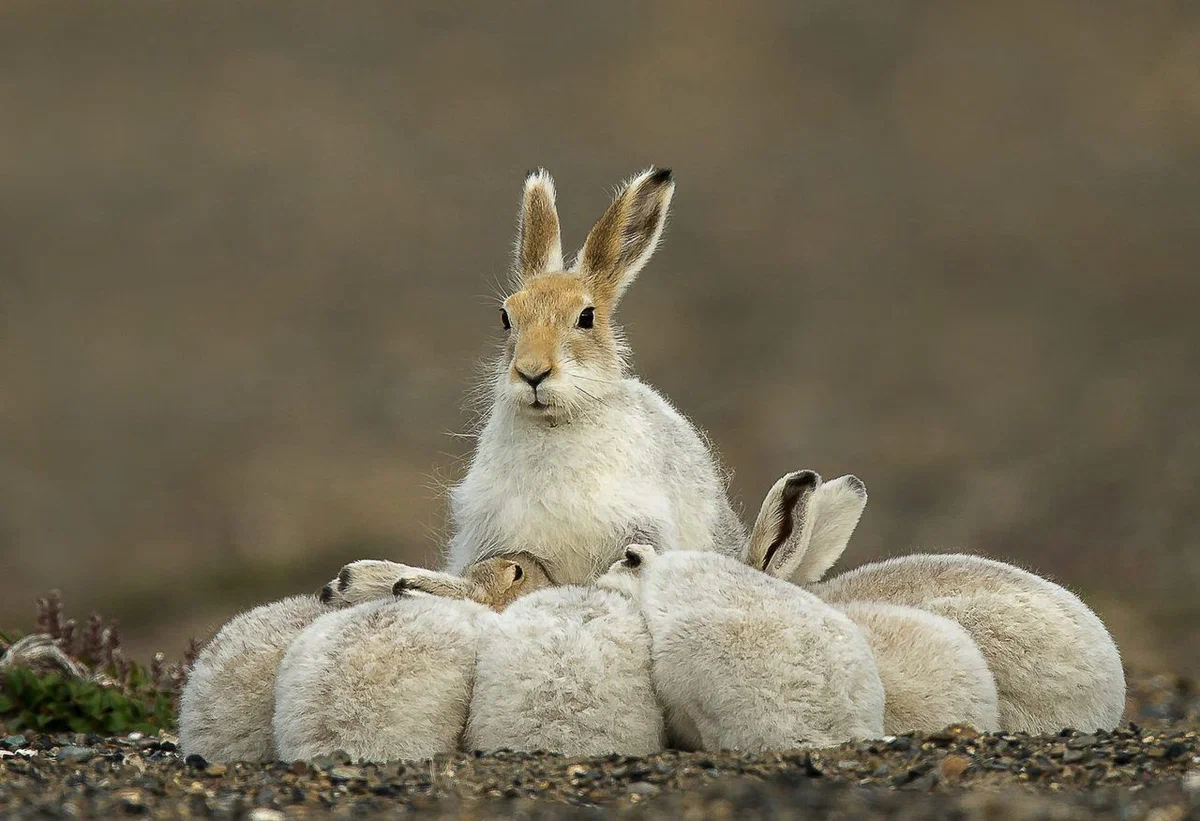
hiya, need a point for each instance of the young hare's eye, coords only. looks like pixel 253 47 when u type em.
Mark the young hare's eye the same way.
pixel 518 573
pixel 587 318
pixel 504 319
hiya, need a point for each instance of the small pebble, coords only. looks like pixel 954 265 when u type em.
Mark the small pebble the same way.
pixel 78 755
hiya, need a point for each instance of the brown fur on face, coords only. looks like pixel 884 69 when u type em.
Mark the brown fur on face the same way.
pixel 548 340
pixel 545 315
pixel 499 582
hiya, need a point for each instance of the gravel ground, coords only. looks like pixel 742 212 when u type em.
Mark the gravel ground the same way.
pixel 1148 769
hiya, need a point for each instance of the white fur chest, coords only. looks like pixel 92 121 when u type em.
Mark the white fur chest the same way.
pixel 568 494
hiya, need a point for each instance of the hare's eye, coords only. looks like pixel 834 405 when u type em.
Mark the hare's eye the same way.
pixel 518 573
pixel 587 318
pixel 504 319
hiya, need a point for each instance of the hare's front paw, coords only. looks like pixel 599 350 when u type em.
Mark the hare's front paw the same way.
pixel 364 580
pixel 434 583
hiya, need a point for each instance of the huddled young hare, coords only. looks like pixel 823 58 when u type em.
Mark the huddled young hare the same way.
pixel 933 673
pixel 567 669
pixel 226 706
pixel 577 457
pixel 388 679
pixel 1052 662
pixel 741 660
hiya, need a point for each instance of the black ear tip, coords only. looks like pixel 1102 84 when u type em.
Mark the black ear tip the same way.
pixel 398 588
pixel 632 558
pixel 535 172
pixel 662 176
pixel 326 594
pixel 857 485
pixel 802 480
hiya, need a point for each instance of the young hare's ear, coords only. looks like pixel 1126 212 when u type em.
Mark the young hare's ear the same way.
pixel 621 243
pixel 834 509
pixel 539 241
pixel 782 530
pixel 637 555
pixel 513 573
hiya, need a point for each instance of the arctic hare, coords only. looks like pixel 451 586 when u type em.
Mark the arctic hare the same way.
pixel 577 457
pixel 226 707
pixel 384 680
pixel 567 670
pixel 1054 663
pixel 745 661
pixel 932 671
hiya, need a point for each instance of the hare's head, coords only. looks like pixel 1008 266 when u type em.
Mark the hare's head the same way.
pixel 502 580
pixel 625 574
pixel 563 350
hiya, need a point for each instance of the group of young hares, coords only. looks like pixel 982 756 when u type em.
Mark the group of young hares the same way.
pixel 601 596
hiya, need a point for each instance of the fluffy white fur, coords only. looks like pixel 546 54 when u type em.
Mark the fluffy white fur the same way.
pixel 567 670
pixel 745 661
pixel 226 707
pixel 384 680
pixel 1053 661
pixel 932 671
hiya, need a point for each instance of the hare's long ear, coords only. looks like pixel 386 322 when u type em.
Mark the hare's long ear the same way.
pixel 539 240
pixel 783 526
pixel 621 243
pixel 835 508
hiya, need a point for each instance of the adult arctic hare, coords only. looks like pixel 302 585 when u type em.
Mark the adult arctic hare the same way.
pixel 577 457
pixel 1054 663
pixel 933 673
pixel 384 680
pixel 226 707
pixel 744 661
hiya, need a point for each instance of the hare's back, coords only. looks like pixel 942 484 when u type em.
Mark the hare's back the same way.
pixel 566 669
pixel 933 672
pixel 753 662
pixel 382 680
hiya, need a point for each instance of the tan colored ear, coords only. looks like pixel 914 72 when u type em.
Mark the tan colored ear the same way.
pixel 539 240
pixel 512 573
pixel 622 242
pixel 835 508
pixel 783 527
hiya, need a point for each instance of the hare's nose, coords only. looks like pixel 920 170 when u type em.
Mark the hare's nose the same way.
pixel 534 380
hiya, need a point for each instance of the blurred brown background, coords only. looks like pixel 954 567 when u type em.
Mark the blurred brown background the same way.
pixel 247 253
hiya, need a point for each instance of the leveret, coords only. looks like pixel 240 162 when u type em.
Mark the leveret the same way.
pixel 566 670
pixel 933 672
pixel 744 661
pixel 1055 665
pixel 385 680
pixel 226 707
pixel 1052 662
pixel 577 457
